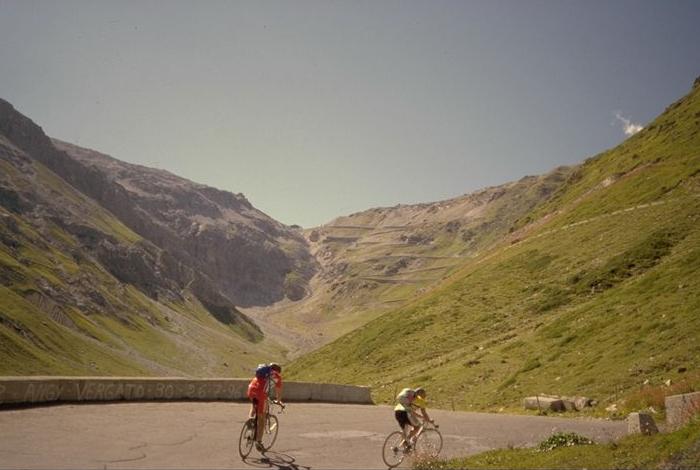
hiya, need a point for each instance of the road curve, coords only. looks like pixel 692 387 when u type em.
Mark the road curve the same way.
pixel 190 435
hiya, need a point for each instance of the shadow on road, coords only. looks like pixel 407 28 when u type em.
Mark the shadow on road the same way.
pixel 275 460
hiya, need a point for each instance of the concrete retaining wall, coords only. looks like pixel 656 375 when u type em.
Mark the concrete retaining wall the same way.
pixel 680 408
pixel 28 390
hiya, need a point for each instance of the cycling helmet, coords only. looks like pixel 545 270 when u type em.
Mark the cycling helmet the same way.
pixel 420 391
pixel 276 367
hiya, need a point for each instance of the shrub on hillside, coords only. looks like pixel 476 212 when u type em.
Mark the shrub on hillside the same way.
pixel 562 439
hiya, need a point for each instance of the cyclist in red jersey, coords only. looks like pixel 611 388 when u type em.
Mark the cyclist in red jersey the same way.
pixel 258 391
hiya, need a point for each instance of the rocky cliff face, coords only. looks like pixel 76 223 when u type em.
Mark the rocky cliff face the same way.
pixel 248 257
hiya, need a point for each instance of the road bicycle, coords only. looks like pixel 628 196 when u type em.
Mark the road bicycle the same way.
pixel 269 435
pixel 426 444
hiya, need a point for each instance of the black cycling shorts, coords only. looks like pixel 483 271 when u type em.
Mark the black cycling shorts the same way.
pixel 402 418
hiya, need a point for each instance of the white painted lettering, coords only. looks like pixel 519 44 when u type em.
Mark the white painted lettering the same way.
pixel 80 391
pixel 42 392
pixel 87 392
pixel 29 394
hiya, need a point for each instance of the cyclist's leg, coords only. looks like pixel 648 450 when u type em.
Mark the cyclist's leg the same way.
pixel 259 417
pixel 414 426
pixel 266 411
pixel 404 424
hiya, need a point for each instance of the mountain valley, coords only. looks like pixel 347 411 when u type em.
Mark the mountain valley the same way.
pixel 583 280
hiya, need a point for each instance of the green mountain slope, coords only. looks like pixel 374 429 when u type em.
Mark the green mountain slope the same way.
pixel 377 260
pixel 594 292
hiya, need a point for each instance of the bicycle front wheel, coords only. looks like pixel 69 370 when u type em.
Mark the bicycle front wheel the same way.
pixel 392 452
pixel 429 444
pixel 269 435
pixel 247 438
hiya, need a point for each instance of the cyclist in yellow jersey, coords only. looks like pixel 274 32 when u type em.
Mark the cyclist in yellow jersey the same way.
pixel 409 401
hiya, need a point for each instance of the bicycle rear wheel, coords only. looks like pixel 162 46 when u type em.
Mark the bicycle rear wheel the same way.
pixel 269 435
pixel 392 452
pixel 247 438
pixel 429 444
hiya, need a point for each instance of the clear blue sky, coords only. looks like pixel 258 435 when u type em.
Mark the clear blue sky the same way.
pixel 315 109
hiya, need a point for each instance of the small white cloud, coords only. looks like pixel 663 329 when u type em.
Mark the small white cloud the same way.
pixel 630 128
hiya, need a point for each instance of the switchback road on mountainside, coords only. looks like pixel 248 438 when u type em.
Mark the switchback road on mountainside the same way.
pixel 205 435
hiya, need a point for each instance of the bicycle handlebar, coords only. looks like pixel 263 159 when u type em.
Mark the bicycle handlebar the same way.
pixel 278 403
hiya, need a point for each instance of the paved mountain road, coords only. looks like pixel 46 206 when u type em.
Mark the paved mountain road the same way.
pixel 205 435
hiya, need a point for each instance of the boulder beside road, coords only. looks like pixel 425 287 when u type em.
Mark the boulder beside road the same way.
pixel 557 403
pixel 543 403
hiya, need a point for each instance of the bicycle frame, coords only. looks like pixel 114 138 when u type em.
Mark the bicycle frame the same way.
pixel 424 425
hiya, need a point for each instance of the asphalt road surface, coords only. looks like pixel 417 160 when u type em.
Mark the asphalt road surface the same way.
pixel 193 435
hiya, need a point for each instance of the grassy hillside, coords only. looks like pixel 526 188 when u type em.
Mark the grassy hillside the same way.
pixel 380 259
pixel 678 450
pixel 595 292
